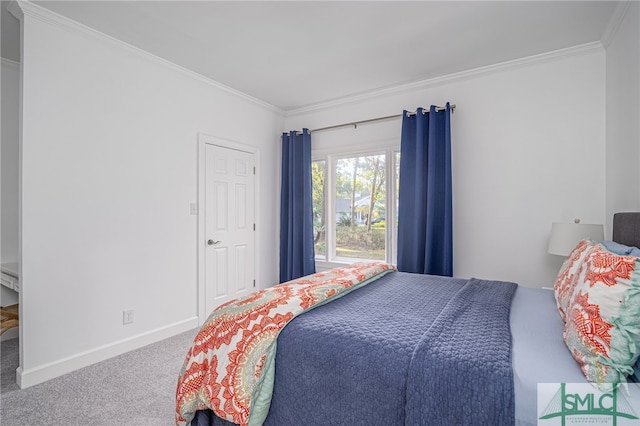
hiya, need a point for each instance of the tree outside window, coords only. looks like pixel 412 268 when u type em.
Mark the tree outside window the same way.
pixel 357 205
pixel 318 179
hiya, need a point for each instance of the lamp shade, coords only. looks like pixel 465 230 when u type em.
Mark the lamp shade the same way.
pixel 565 236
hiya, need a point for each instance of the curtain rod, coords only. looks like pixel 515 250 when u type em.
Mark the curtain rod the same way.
pixel 371 120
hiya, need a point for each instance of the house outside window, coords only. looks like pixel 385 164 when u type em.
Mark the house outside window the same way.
pixel 357 191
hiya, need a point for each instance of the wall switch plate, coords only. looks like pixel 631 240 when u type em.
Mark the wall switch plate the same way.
pixel 127 317
pixel 193 208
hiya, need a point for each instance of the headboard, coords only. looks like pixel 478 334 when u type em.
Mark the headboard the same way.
pixel 626 228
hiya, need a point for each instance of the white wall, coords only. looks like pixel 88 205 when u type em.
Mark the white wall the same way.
pixel 623 110
pixel 10 79
pixel 528 149
pixel 109 170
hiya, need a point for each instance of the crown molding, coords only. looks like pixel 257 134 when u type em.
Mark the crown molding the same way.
pixel 615 22
pixel 24 7
pixel 449 78
pixel 27 8
pixel 14 8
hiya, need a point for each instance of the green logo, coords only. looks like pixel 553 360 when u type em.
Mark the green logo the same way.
pixel 585 401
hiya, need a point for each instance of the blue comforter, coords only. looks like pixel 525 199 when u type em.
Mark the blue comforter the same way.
pixel 404 350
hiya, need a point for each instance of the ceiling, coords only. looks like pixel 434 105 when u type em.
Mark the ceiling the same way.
pixel 296 54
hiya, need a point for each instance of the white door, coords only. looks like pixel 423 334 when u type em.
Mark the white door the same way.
pixel 229 225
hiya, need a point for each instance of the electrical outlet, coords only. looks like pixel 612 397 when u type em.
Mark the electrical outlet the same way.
pixel 127 317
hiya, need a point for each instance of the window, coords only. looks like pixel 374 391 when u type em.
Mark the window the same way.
pixel 354 206
pixel 318 173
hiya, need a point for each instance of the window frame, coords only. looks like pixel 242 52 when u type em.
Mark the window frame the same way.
pixel 391 152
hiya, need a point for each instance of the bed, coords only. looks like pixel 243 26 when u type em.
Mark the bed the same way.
pixel 374 346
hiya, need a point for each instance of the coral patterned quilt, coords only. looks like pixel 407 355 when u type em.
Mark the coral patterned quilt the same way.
pixel 230 366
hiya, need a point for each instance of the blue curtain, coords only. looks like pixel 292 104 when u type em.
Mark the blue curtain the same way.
pixel 425 237
pixel 297 257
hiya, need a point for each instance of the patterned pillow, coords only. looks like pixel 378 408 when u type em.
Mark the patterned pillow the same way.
pixel 602 329
pixel 568 276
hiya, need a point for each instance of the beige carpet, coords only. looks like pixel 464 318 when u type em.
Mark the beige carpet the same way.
pixel 136 388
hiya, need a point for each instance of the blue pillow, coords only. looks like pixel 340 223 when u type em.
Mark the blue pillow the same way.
pixel 621 249
pixel 635 377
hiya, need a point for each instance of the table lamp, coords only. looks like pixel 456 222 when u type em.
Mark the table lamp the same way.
pixel 565 236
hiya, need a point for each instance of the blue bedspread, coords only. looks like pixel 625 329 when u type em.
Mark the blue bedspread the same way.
pixel 460 372
pixel 376 357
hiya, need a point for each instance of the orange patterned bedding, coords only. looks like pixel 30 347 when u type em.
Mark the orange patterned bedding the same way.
pixel 230 366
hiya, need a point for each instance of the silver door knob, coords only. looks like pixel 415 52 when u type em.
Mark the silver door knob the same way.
pixel 213 243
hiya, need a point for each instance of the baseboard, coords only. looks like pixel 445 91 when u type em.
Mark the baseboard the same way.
pixel 34 376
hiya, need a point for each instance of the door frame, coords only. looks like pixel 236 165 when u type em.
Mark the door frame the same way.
pixel 203 141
